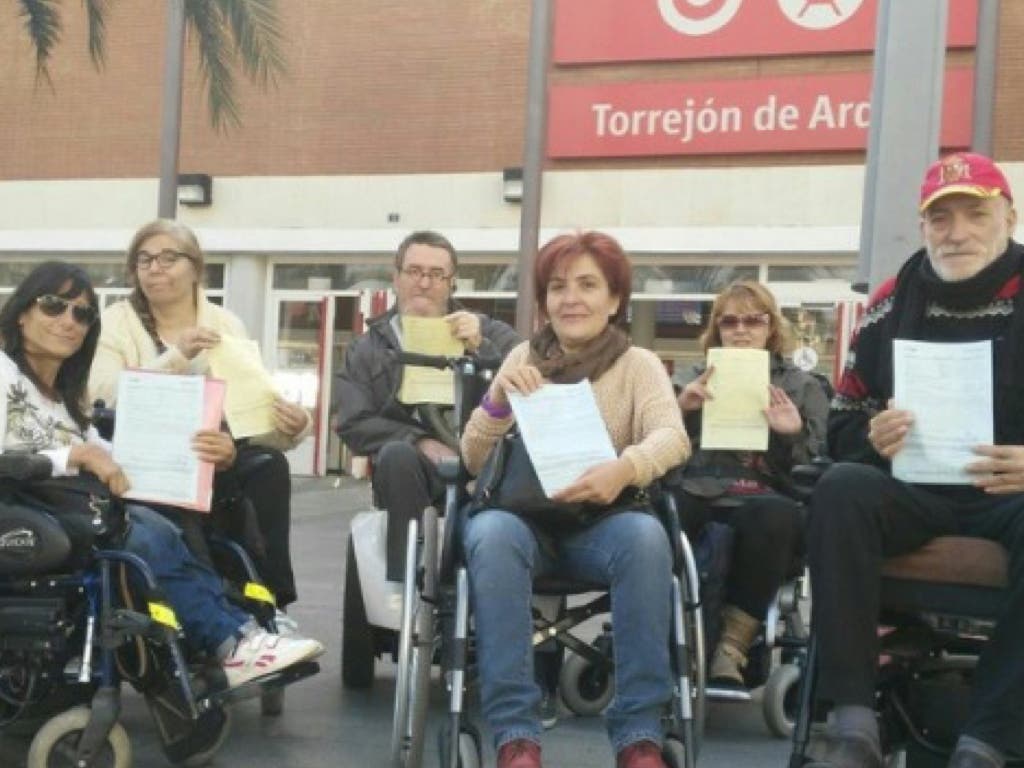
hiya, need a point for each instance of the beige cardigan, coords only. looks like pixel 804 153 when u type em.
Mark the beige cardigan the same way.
pixel 636 400
pixel 124 343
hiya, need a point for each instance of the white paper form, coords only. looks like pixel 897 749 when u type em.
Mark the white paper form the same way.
pixel 948 389
pixel 733 419
pixel 157 415
pixel 563 432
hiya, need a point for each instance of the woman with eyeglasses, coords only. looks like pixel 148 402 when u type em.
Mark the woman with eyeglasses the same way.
pixel 168 324
pixel 48 335
pixel 742 488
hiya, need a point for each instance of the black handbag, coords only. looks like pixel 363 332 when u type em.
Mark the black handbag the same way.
pixel 508 481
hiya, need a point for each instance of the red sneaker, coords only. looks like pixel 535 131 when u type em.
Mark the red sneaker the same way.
pixel 519 753
pixel 640 754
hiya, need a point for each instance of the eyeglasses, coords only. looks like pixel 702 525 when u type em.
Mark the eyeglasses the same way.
pixel 166 258
pixel 55 306
pixel 418 273
pixel 753 320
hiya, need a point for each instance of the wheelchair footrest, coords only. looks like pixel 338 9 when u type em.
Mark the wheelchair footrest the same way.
pixel 715 693
pixel 252 688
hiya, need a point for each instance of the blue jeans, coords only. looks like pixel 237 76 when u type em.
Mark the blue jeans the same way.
pixel 193 589
pixel 629 552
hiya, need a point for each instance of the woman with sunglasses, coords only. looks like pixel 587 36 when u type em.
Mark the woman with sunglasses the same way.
pixel 48 335
pixel 767 524
pixel 168 324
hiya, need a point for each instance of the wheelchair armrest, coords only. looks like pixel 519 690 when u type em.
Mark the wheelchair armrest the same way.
pixel 806 476
pixel 449 469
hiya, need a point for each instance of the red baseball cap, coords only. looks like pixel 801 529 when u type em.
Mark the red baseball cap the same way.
pixel 964 173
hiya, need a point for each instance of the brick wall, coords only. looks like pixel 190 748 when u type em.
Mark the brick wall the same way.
pixel 374 86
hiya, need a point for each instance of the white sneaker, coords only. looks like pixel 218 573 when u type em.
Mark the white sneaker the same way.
pixel 286 625
pixel 262 653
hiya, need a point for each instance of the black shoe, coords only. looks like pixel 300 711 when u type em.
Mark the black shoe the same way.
pixel 851 752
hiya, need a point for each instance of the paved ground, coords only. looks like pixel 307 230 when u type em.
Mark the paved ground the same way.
pixel 325 726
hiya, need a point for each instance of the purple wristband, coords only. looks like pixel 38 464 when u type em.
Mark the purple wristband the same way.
pixel 492 410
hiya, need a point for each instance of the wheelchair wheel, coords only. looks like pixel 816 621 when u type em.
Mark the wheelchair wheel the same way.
pixel 468 746
pixel 781 700
pixel 586 688
pixel 55 743
pixel 415 646
pixel 357 652
pixel 674 752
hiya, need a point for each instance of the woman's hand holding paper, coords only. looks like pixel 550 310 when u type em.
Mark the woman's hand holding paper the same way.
pixel 696 392
pixel 522 379
pixel 289 418
pixel 96 459
pixel 601 484
pixel 215 447
pixel 194 340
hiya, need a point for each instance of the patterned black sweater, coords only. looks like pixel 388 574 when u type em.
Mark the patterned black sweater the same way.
pixel 983 309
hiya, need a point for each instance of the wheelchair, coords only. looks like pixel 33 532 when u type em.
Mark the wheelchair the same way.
pixel 79 616
pixel 938 605
pixel 372 605
pixel 435 629
pixel 774 660
pixel 227 544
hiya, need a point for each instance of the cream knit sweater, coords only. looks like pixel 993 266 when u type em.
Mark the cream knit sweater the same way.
pixel 635 399
pixel 124 343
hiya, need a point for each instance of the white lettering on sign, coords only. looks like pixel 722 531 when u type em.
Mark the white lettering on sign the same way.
pixel 685 123
pixel 770 116
pixel 826 114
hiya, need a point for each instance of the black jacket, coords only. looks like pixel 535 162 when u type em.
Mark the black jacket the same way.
pixel 366 390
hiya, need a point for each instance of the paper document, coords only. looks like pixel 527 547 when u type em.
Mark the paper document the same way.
pixel 249 400
pixel 563 432
pixel 157 416
pixel 948 388
pixel 428 336
pixel 733 419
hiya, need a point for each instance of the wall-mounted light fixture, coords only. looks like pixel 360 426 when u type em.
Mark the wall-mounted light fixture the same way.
pixel 512 185
pixel 195 189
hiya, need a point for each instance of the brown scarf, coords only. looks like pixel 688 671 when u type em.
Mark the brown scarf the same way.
pixel 590 362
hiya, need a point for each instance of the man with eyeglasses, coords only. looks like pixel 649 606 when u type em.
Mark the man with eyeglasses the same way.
pixel 371 419
pixel 964 285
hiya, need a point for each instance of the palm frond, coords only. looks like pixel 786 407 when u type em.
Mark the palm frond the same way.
pixel 214 61
pixel 96 10
pixel 42 22
pixel 256 28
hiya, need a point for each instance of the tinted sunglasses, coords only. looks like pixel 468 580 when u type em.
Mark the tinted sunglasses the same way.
pixel 55 306
pixel 753 320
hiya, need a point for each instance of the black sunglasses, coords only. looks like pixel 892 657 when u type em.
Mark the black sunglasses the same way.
pixel 55 306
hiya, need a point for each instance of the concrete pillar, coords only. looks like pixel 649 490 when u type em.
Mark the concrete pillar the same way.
pixel 906 103
pixel 642 323
pixel 246 292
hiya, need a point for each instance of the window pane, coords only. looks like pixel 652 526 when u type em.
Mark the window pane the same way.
pixel 710 279
pixel 336 277
pixel 807 274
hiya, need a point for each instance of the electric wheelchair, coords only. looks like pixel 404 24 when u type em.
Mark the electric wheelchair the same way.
pixel 938 606
pixel 78 616
pixel 436 624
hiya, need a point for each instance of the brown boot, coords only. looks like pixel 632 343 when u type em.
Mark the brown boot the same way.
pixel 738 632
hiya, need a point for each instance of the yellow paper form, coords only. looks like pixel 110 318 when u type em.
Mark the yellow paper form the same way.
pixel 427 336
pixel 734 419
pixel 249 401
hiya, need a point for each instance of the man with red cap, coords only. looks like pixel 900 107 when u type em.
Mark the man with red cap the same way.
pixel 964 285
